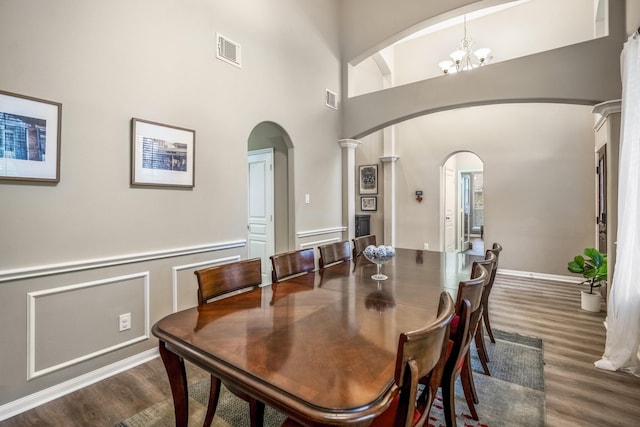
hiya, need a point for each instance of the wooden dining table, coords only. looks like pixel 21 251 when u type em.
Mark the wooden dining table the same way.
pixel 320 347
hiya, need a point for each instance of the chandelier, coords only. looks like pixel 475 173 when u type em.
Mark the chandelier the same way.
pixel 463 59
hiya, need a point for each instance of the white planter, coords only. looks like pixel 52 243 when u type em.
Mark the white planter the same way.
pixel 591 302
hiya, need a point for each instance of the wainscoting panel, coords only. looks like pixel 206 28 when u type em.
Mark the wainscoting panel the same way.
pixel 69 324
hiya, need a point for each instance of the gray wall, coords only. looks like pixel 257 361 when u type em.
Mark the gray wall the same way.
pixel 91 243
pixel 538 179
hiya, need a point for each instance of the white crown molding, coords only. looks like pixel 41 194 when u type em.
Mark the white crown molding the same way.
pixel 604 109
pixel 389 159
pixel 50 269
pixel 349 143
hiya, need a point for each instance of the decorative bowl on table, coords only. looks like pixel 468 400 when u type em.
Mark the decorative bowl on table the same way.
pixel 379 255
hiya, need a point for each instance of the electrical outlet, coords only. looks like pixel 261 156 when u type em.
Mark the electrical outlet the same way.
pixel 125 321
pixel 426 246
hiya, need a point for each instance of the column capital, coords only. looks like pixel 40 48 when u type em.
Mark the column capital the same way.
pixel 389 159
pixel 349 143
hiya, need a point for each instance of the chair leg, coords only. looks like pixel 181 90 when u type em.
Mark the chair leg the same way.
pixel 482 351
pixel 469 389
pixel 467 375
pixel 468 396
pixel 256 411
pixel 449 401
pixel 487 324
pixel 214 394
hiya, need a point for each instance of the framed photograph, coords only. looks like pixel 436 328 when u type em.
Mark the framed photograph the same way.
pixel 368 203
pixel 369 179
pixel 162 155
pixel 29 138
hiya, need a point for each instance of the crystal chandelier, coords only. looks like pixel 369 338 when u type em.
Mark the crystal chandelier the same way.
pixel 463 59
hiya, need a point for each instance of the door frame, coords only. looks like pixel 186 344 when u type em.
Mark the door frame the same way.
pixel 266 155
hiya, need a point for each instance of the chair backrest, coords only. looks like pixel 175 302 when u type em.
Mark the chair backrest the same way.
pixel 360 243
pixel 289 264
pixel 471 289
pixel 495 251
pixel 221 279
pixel 419 353
pixel 334 253
pixel 489 263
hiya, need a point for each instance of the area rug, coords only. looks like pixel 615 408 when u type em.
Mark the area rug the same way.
pixel 512 396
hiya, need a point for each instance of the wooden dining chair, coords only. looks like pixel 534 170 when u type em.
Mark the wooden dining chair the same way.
pixel 360 243
pixel 291 264
pixel 490 264
pixel 217 281
pixel 468 312
pixel 334 253
pixel 419 353
pixel 495 249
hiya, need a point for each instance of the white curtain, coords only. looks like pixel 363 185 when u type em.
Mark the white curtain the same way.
pixel 622 350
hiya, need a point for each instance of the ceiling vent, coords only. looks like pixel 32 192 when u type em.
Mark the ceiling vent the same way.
pixel 331 100
pixel 229 51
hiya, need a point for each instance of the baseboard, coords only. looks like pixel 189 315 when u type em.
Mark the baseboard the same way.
pixel 541 276
pixel 36 399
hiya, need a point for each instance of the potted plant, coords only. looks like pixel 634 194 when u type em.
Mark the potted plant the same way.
pixel 593 267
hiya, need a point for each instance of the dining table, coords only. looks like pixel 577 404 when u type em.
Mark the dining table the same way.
pixel 320 347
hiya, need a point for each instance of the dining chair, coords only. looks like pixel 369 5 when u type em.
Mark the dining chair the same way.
pixel 217 281
pixel 495 249
pixel 360 243
pixel 490 264
pixel 468 312
pixel 419 354
pixel 291 264
pixel 334 253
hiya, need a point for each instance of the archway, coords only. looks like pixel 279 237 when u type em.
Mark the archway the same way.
pixel 463 203
pixel 270 137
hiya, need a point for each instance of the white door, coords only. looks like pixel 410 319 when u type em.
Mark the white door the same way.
pixel 261 229
pixel 449 210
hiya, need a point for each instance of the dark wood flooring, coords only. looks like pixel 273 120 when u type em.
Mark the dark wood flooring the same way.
pixel 577 394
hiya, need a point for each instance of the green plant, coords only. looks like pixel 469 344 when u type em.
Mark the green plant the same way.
pixel 593 267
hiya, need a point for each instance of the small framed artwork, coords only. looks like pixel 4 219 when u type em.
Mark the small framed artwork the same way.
pixel 368 203
pixel 369 179
pixel 30 130
pixel 162 155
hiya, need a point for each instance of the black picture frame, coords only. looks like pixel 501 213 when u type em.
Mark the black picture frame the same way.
pixel 368 178
pixel 368 203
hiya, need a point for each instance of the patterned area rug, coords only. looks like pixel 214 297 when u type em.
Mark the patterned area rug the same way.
pixel 512 396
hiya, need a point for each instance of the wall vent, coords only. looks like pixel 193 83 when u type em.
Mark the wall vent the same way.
pixel 331 100
pixel 229 51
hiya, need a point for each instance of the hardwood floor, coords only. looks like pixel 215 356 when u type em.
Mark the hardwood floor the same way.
pixel 577 394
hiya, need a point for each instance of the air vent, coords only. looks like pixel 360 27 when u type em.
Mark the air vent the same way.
pixel 229 51
pixel 331 100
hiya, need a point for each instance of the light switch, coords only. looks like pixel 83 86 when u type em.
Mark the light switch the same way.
pixel 307 198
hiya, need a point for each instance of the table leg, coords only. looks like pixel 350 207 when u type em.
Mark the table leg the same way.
pixel 178 380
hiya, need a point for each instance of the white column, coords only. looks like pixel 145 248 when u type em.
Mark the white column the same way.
pixel 389 191
pixel 349 184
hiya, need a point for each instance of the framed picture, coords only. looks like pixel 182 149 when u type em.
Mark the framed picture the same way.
pixel 162 155
pixel 368 203
pixel 29 138
pixel 369 179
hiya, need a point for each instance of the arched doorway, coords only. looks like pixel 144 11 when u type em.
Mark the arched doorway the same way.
pixel 270 188
pixel 463 203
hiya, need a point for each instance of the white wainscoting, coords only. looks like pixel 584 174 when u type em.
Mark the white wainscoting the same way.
pixel 32 319
pixel 90 264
